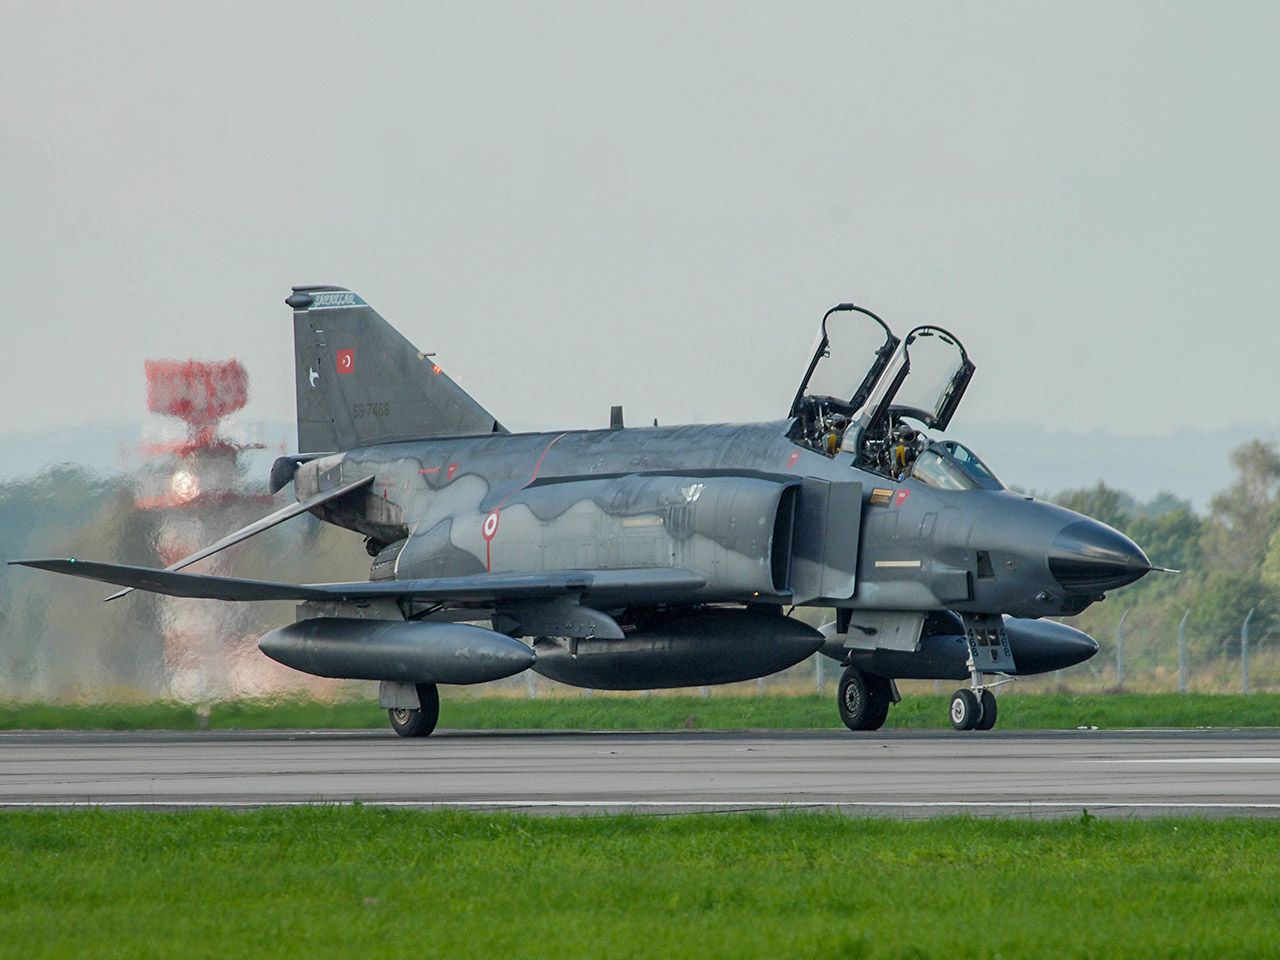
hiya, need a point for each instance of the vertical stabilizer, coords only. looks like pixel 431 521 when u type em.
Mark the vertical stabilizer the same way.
pixel 360 382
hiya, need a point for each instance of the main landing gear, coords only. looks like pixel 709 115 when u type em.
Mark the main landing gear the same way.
pixel 420 722
pixel 864 699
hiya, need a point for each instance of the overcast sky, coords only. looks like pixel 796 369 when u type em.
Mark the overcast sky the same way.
pixel 577 205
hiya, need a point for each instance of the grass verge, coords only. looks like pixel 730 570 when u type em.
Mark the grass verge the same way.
pixel 341 882
pixel 1019 712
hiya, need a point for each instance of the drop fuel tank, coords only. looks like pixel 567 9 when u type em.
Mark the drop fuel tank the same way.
pixel 399 650
pixel 682 649
pixel 1038 646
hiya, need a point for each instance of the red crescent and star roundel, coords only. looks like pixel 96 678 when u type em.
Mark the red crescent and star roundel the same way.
pixel 346 361
pixel 490 525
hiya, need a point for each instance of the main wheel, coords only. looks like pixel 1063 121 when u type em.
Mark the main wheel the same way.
pixel 881 691
pixel 966 710
pixel 863 700
pixel 989 710
pixel 420 722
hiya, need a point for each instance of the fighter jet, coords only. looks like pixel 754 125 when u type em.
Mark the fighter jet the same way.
pixel 641 558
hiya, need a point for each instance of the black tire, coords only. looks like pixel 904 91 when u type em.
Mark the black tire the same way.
pixel 863 700
pixel 989 710
pixel 420 722
pixel 966 710
pixel 881 690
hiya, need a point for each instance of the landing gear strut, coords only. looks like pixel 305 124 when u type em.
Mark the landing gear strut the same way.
pixel 864 699
pixel 420 722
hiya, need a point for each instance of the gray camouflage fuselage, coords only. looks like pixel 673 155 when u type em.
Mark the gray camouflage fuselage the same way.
pixel 741 505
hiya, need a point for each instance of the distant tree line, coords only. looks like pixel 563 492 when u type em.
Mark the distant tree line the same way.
pixel 1229 558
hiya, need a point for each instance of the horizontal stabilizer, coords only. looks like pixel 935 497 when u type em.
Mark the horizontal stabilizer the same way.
pixel 266 523
pixel 601 586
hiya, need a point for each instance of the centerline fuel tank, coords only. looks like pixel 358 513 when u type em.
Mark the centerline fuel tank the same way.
pixel 681 649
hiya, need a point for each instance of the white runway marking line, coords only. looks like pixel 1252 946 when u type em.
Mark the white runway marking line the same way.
pixel 1190 760
pixel 664 804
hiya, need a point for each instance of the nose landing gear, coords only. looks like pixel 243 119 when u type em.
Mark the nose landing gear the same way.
pixel 989 655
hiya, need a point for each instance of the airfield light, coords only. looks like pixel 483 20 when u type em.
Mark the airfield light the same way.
pixel 185 486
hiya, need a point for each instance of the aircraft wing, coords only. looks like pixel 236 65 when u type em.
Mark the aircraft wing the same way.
pixel 604 587
pixel 280 516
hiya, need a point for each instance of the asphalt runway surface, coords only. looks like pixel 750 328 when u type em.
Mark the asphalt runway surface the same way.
pixel 895 773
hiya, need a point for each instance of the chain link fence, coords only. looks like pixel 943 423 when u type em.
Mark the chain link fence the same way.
pixel 1142 655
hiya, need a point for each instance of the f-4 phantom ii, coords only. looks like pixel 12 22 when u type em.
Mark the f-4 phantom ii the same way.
pixel 652 557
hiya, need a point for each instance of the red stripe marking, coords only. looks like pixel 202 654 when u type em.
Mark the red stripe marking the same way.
pixel 429 470
pixel 536 467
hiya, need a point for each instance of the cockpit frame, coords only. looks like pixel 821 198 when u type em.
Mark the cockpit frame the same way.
pixel 870 422
pixel 822 351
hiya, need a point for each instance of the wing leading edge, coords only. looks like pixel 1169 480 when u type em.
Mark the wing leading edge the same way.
pixel 599 586
pixel 253 529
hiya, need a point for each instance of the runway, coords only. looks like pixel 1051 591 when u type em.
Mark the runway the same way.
pixel 897 773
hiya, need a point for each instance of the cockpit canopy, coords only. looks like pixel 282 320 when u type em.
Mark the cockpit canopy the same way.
pixel 922 378
pixel 852 349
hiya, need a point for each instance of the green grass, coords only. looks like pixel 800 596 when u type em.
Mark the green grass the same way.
pixel 349 882
pixel 1018 712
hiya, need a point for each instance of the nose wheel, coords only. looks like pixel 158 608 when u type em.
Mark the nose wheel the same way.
pixel 973 710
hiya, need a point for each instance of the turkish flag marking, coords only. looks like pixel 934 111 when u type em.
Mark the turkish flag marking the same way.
pixel 346 361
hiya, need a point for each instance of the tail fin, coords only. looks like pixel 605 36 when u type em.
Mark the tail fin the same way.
pixel 360 382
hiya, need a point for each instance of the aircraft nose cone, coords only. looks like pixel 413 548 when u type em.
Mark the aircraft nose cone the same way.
pixel 1089 557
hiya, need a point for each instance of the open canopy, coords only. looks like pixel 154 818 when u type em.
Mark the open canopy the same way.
pixel 924 380
pixel 863 383
pixel 850 353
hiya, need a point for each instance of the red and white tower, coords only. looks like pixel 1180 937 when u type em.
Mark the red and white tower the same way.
pixel 195 484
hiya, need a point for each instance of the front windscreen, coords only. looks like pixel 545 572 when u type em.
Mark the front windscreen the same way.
pixel 972 465
pixel 936 469
pixel 953 466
